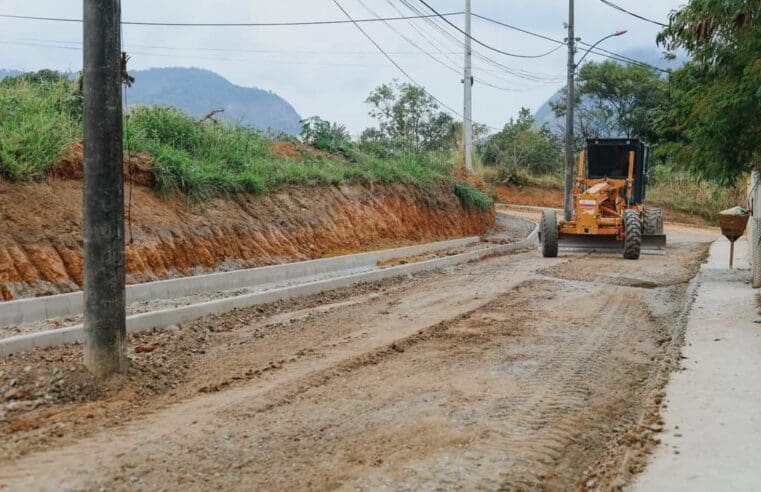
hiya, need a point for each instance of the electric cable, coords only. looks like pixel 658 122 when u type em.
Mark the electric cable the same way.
pixel 478 41
pixel 228 24
pixel 641 17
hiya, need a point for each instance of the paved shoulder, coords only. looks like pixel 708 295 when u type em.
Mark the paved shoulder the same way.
pixel 713 419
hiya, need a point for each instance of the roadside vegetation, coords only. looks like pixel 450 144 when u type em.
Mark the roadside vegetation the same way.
pixel 689 172
pixel 701 121
pixel 41 118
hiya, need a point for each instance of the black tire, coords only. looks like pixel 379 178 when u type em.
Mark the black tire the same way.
pixel 652 222
pixel 549 230
pixel 632 234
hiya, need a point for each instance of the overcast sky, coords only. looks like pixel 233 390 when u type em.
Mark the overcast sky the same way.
pixel 329 70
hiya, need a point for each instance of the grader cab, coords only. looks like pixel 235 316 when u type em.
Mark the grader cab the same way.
pixel 608 204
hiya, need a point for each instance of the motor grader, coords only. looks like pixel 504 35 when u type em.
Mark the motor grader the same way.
pixel 608 204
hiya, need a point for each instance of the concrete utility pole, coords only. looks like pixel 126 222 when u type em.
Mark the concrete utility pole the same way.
pixel 569 134
pixel 104 189
pixel 467 124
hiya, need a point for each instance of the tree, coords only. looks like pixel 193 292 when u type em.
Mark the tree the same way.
pixel 711 120
pixel 409 115
pixel 520 149
pixel 616 100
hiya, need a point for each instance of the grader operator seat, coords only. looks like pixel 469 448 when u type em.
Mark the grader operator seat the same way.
pixel 609 158
pixel 608 204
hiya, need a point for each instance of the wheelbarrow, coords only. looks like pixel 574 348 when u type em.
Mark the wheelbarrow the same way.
pixel 733 222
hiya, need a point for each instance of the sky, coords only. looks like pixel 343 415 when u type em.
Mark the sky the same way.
pixel 329 70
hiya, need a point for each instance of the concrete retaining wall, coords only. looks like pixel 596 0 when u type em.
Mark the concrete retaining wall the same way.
pixel 40 308
pixel 184 314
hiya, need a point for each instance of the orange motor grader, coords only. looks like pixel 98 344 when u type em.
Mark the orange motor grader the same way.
pixel 608 204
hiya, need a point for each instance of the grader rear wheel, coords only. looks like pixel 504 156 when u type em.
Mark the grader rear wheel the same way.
pixel 549 231
pixel 632 234
pixel 652 221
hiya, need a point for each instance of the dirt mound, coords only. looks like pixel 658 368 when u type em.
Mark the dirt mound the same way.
pixel 41 224
pixel 530 195
pixel 137 168
pixel 552 197
pixel 285 149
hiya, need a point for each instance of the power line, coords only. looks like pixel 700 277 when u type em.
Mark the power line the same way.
pixel 612 55
pixel 229 50
pixel 460 46
pixel 456 69
pixel 531 76
pixel 621 9
pixel 389 58
pixel 420 32
pixel 232 24
pixel 516 55
pixel 519 29
pixel 411 42
pixel 399 67
pixel 598 51
pixel 71 47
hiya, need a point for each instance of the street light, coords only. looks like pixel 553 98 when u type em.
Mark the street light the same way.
pixel 620 32
pixel 570 96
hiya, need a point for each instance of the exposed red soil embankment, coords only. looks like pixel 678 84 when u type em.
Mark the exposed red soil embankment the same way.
pixel 530 195
pixel 41 223
pixel 553 197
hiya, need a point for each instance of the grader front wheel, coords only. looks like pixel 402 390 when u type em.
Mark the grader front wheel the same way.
pixel 632 234
pixel 549 230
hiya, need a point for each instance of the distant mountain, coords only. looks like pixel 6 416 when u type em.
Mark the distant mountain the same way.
pixel 8 73
pixel 197 92
pixel 545 116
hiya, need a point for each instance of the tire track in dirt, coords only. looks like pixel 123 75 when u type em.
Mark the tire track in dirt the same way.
pixel 492 376
pixel 532 427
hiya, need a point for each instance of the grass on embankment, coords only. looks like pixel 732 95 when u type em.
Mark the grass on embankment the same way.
pixel 39 121
pixel 41 118
pixel 693 197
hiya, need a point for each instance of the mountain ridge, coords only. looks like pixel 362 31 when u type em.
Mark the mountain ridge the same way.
pixel 198 91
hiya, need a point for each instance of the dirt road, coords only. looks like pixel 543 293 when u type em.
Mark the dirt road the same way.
pixel 517 372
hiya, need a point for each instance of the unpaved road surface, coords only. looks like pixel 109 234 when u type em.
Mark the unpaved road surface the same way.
pixel 517 372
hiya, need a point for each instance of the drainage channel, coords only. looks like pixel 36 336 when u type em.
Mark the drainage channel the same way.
pixel 162 312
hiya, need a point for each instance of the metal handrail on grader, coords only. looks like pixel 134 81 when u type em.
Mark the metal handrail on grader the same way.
pixel 608 204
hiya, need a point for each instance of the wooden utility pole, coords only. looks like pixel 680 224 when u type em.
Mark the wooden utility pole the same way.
pixel 569 133
pixel 104 324
pixel 467 120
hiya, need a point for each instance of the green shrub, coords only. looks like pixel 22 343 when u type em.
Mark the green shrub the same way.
pixel 472 196
pixel 325 135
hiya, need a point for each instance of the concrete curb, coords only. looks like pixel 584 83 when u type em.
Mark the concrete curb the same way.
pixel 183 314
pixel 40 308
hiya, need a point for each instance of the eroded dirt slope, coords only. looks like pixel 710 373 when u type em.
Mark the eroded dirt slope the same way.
pixel 41 245
pixel 515 373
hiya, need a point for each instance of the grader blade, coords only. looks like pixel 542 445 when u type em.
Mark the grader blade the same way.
pixel 651 245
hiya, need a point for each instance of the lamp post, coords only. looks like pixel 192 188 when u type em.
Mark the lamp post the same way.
pixel 570 101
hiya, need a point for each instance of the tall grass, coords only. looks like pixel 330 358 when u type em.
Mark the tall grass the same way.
pixel 207 159
pixel 39 120
pixel 682 192
pixel 472 196
pixel 41 117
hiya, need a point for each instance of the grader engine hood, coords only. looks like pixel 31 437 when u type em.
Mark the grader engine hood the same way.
pixel 589 206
